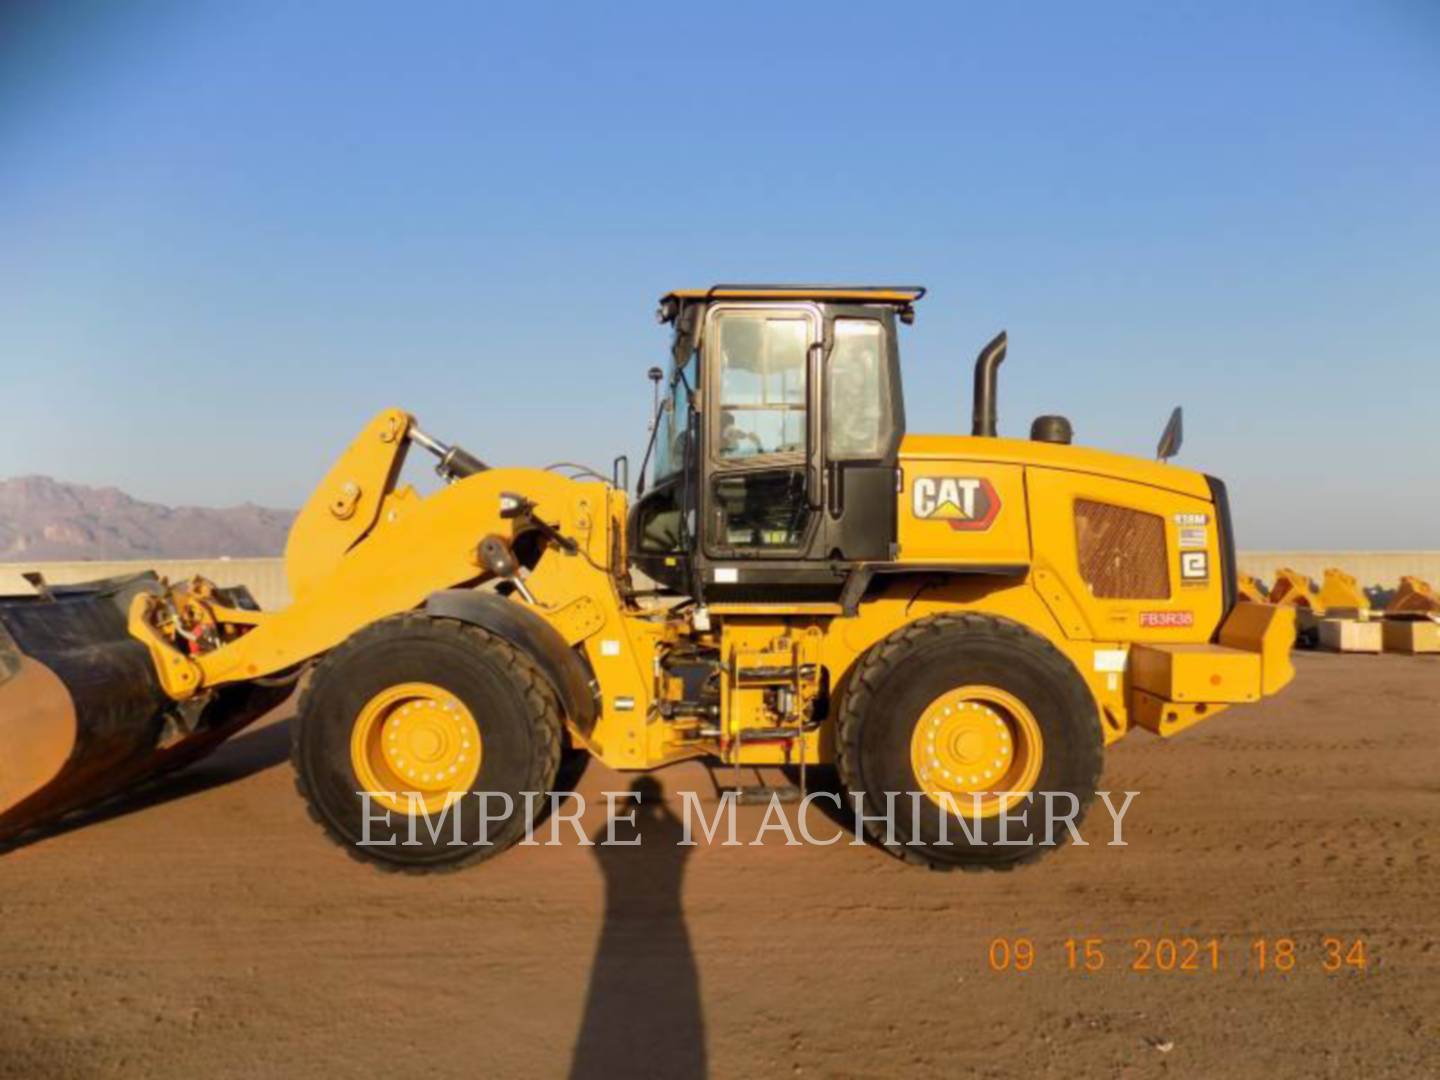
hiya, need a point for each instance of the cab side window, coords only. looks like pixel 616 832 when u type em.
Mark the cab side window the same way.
pixel 857 397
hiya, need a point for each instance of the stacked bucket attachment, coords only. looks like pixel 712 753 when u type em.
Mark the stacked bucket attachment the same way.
pixel 1412 618
pixel 1341 596
pixel 1342 616
pixel 1414 597
pixel 1294 589
pixel 82 715
pixel 1251 589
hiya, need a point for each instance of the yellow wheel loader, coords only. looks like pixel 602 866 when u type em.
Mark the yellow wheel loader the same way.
pixel 954 622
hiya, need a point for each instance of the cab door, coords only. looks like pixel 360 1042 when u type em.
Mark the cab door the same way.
pixel 761 491
pixel 862 421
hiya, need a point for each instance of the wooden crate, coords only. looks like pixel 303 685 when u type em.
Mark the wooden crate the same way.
pixel 1351 636
pixel 1411 636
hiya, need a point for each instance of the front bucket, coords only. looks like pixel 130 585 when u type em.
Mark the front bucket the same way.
pixel 82 715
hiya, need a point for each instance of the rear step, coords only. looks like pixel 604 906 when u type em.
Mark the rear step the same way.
pixel 757 794
pixel 760 794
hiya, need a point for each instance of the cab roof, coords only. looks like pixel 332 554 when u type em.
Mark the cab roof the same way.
pixel 862 294
pixel 900 297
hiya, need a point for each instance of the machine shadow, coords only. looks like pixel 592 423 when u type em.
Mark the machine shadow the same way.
pixel 643 1012
pixel 243 755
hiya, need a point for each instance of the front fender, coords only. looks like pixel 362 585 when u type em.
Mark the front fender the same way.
pixel 561 665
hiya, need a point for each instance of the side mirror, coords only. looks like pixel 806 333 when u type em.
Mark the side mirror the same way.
pixel 656 376
pixel 1172 436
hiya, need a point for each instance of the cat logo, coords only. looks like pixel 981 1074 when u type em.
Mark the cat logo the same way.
pixel 966 503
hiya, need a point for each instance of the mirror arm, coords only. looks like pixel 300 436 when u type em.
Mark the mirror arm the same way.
pixel 660 403
pixel 649 449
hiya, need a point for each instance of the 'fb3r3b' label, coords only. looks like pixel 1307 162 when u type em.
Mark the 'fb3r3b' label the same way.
pixel 963 502
pixel 1165 619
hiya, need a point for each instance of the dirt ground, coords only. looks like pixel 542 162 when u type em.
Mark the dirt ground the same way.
pixel 210 930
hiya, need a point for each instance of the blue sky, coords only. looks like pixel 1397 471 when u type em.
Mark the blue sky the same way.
pixel 230 232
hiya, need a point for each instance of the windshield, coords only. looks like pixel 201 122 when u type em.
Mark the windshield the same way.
pixel 675 422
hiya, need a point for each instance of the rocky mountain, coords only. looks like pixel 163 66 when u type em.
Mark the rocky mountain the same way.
pixel 44 519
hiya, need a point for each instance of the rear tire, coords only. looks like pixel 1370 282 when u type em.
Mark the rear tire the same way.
pixel 483 677
pixel 899 682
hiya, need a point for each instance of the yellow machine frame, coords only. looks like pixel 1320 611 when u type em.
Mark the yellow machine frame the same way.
pixel 366 547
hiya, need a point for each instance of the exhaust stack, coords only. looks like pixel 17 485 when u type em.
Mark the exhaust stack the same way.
pixel 987 365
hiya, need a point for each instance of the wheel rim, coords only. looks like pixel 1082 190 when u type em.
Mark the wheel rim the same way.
pixel 976 739
pixel 415 738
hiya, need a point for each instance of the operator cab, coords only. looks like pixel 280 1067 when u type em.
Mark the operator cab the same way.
pixel 775 451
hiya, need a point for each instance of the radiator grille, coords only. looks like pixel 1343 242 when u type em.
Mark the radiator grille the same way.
pixel 1122 552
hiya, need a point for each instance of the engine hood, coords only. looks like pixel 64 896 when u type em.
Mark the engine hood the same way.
pixel 1082 459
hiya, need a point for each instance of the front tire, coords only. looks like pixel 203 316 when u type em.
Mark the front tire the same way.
pixel 434 719
pixel 959 708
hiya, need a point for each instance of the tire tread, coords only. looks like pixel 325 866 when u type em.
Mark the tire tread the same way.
pixel 880 661
pixel 539 696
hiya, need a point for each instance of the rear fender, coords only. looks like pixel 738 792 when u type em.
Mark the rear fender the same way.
pixel 523 628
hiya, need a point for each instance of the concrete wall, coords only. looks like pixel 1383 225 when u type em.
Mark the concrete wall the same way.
pixel 266 577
